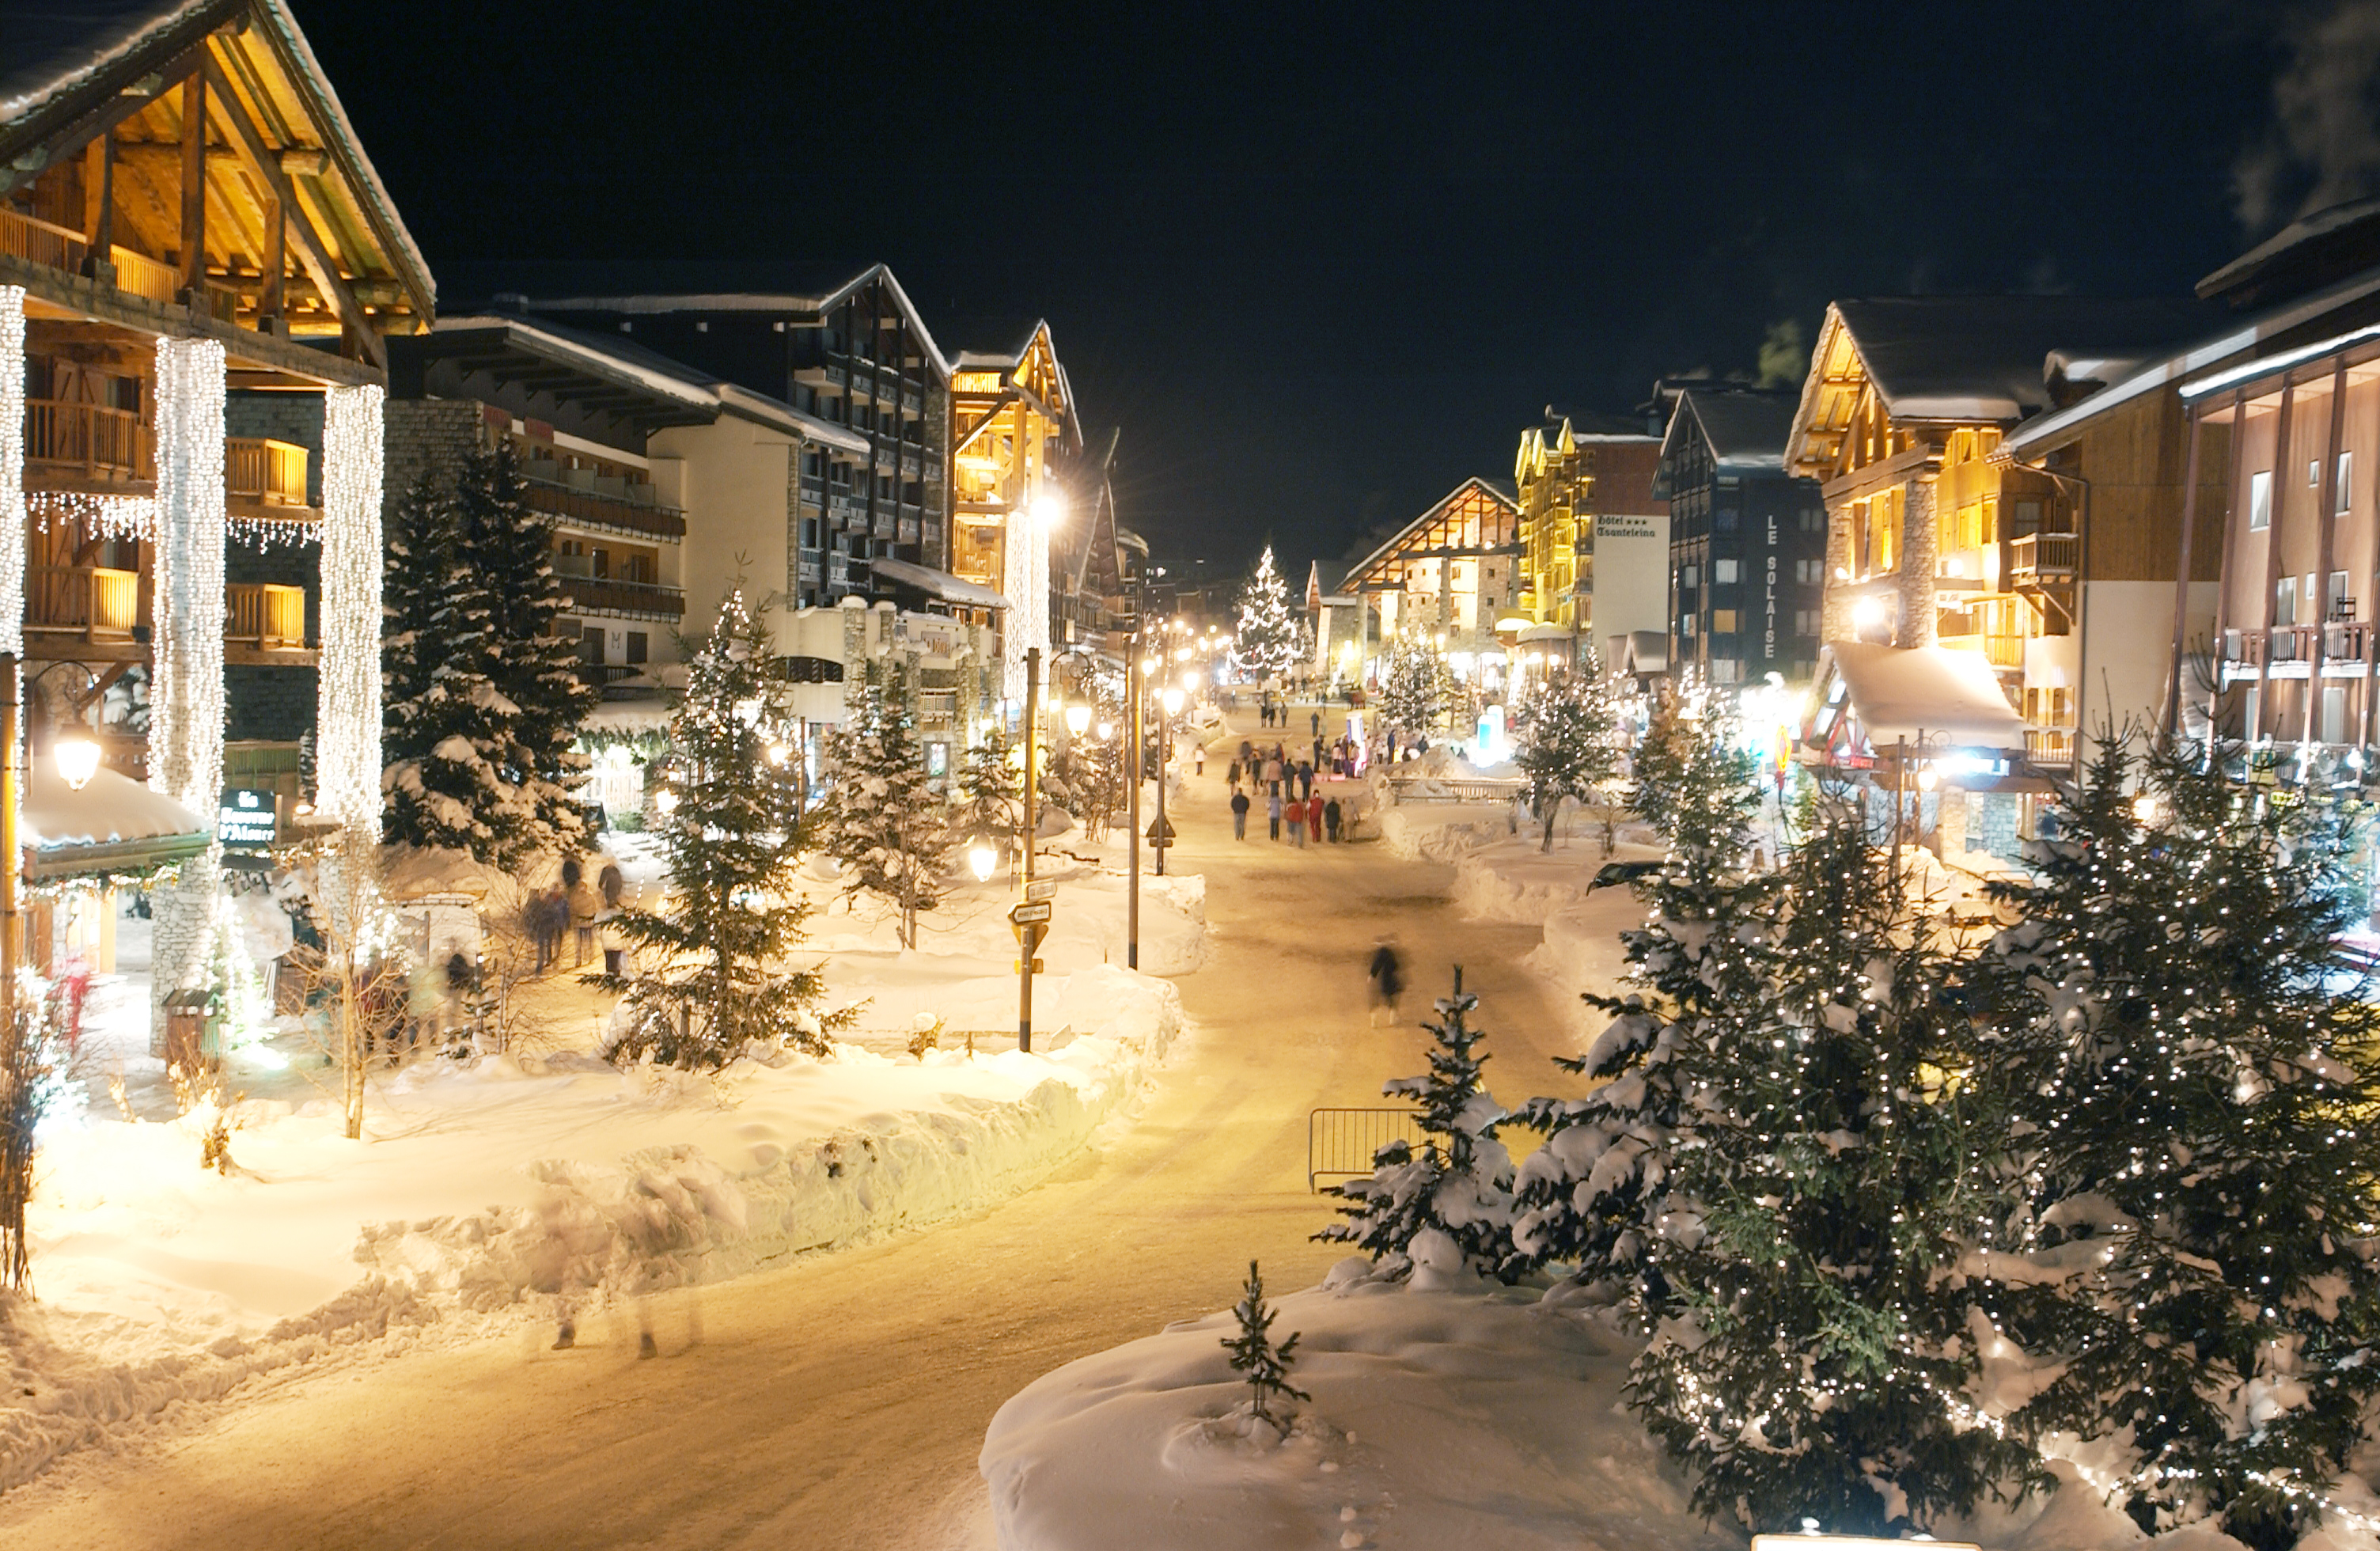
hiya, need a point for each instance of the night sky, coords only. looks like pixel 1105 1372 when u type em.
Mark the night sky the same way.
pixel 1321 266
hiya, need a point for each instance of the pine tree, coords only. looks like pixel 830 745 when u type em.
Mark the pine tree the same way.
pixel 1817 1342
pixel 1413 687
pixel 1254 1355
pixel 1566 745
pixel 1085 779
pixel 991 793
pixel 511 548
pixel 1460 1185
pixel 1596 1196
pixel 1268 637
pixel 710 973
pixel 450 773
pixel 883 819
pixel 2169 1040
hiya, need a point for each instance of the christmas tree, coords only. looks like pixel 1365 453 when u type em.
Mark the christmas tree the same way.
pixel 451 774
pixel 1816 1340
pixel 535 668
pixel 1596 1196
pixel 708 973
pixel 1085 779
pixel 1414 686
pixel 991 793
pixel 882 819
pixel 1268 637
pixel 1459 1188
pixel 2176 1050
pixel 1253 1354
pixel 1565 746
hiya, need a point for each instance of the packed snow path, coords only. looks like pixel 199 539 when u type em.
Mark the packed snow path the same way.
pixel 841 1400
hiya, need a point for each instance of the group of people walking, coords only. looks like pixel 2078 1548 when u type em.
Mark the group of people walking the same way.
pixel 1286 786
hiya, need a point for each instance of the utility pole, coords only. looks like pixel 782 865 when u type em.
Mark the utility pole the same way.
pixel 1132 691
pixel 1028 936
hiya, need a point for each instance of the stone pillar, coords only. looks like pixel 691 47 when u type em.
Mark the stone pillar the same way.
pixel 347 710
pixel 1921 547
pixel 186 691
pixel 12 494
pixel 1834 598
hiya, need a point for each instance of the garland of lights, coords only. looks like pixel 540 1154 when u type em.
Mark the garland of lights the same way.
pixel 348 709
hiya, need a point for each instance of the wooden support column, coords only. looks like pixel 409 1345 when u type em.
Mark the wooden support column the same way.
pixel 98 206
pixel 2326 518
pixel 2182 578
pixel 2273 557
pixel 194 190
pixel 2235 509
pixel 2369 590
pixel 270 302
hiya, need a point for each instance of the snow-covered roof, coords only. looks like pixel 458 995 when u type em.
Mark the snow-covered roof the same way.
pixel 1924 694
pixel 109 810
pixel 1745 430
pixel 2341 237
pixel 739 400
pixel 939 584
pixel 53 49
pixel 1981 357
pixel 628 716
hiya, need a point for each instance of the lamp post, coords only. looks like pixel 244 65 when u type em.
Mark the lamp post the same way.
pixel 1171 701
pixel 1027 939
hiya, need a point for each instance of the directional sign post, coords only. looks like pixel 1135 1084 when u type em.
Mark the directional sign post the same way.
pixel 1031 923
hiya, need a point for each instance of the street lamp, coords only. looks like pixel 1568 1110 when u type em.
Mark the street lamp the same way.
pixel 1078 717
pixel 982 856
pixel 665 801
pixel 78 757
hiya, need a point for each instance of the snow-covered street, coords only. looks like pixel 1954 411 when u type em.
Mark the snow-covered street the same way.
pixel 842 1399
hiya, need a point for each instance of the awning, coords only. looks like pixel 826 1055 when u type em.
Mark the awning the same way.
pixel 1545 633
pixel 1935 695
pixel 113 825
pixel 1643 651
pixel 938 584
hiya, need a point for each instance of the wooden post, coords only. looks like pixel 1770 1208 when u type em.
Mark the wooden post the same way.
pixel 2181 581
pixel 2273 558
pixel 194 192
pixel 1025 942
pixel 270 304
pixel 2325 518
pixel 100 197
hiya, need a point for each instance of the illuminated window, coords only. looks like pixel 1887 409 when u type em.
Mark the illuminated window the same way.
pixel 2260 500
pixel 1723 572
pixel 1722 622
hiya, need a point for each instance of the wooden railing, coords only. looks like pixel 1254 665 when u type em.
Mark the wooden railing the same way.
pixel 91 599
pixel 2000 652
pixel 626 598
pixel 2045 554
pixel 2347 640
pixel 87 438
pixel 271 615
pixel 270 472
pixel 604 511
pixel 40 242
pixel 2049 746
pixel 144 276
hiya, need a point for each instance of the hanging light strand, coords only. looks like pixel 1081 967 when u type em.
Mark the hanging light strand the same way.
pixel 186 701
pixel 347 710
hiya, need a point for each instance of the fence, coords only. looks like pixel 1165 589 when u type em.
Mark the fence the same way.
pixel 1340 1143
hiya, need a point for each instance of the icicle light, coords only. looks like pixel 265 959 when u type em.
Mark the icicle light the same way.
pixel 186 698
pixel 347 717
pixel 110 516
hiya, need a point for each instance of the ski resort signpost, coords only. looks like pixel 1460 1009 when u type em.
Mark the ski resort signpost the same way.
pixel 1031 924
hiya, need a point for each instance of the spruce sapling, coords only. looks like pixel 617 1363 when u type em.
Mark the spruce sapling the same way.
pixel 1253 1354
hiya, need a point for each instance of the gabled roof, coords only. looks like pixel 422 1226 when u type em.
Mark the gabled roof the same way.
pixel 69 66
pixel 1493 492
pixel 1745 430
pixel 2308 252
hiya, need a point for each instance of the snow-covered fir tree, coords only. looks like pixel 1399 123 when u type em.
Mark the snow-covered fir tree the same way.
pixel 1414 686
pixel 709 972
pixel 1816 1340
pixel 1667 744
pixel 2172 1041
pixel 1565 750
pixel 510 547
pixel 882 817
pixel 990 795
pixel 1597 1196
pixel 1458 1189
pixel 1268 637
pixel 1253 1353
pixel 1085 779
pixel 450 768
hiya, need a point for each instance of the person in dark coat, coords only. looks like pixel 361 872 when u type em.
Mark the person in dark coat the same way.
pixel 1330 816
pixel 1388 977
pixel 1239 814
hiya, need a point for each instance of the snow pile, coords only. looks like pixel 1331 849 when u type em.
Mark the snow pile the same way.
pixel 517 1182
pixel 1469 1417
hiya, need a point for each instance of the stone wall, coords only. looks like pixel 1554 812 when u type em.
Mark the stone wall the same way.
pixel 422 434
pixel 271 705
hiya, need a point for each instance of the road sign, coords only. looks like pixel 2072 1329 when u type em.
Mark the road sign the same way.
pixel 1019 965
pixel 1026 914
pixel 1157 839
pixel 1040 888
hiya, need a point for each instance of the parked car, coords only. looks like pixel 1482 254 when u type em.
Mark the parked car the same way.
pixel 1612 874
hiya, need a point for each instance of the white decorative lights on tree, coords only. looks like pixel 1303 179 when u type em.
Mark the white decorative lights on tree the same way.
pixel 1024 570
pixel 186 700
pixel 347 710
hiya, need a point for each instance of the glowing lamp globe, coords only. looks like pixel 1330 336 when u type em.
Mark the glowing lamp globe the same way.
pixel 78 757
pixel 1926 779
pixel 777 751
pixel 1173 701
pixel 1049 509
pixel 1107 731
pixel 665 802
pixel 1078 717
pixel 981 858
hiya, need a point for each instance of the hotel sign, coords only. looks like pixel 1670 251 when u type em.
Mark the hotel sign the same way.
pixel 246 821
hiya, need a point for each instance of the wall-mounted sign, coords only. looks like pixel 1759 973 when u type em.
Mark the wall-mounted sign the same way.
pixel 246 820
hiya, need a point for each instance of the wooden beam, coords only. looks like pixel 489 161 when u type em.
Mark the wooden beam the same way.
pixel 271 300
pixel 310 253
pixel 84 299
pixel 194 189
pixel 101 120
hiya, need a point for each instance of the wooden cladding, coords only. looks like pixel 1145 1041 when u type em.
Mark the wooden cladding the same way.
pixel 266 615
pixel 267 473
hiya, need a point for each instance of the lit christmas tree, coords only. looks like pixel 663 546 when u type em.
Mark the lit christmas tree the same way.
pixel 708 974
pixel 1415 687
pixel 990 793
pixel 1458 1189
pixel 1565 750
pixel 1268 637
pixel 2173 1047
pixel 882 819
pixel 535 668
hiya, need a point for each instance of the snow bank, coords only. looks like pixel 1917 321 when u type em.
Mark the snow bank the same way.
pixel 1480 1417
pixel 515 1183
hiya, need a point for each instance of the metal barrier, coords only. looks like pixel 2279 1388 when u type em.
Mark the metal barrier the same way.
pixel 1341 1142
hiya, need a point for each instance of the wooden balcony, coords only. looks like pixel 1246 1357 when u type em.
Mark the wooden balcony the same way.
pixel 92 602
pixel 265 475
pixel 265 615
pixel 2000 652
pixel 635 600
pixel 87 447
pixel 40 242
pixel 2045 557
pixel 2049 746
pixel 601 510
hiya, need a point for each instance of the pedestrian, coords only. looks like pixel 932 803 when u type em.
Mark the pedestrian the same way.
pixel 1318 726
pixel 1388 977
pixel 1314 820
pixel 1330 816
pixel 1232 775
pixel 1201 759
pixel 1239 814
pixel 543 927
pixel 1272 809
pixel 1248 754
pixel 1305 780
pixel 1295 814
pixel 1272 773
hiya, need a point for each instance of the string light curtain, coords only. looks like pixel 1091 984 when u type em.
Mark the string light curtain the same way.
pixel 1025 570
pixel 347 712
pixel 186 700
pixel 12 468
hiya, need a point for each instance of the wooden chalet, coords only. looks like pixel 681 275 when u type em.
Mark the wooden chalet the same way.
pixel 1450 576
pixel 1013 439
